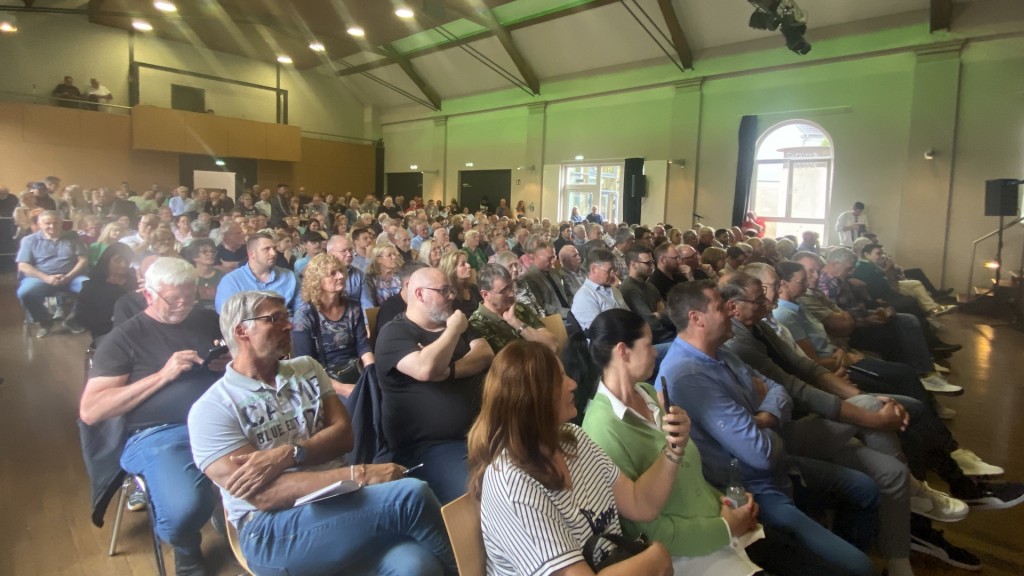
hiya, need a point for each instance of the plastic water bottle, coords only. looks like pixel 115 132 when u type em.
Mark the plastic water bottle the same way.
pixel 735 492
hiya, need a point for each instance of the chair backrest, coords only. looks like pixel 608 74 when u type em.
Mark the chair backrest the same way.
pixel 371 319
pixel 462 520
pixel 236 548
pixel 556 326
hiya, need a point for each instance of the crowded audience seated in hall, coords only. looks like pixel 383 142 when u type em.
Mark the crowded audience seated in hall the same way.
pixel 763 365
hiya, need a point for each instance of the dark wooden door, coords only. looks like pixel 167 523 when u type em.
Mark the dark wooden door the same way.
pixel 405 184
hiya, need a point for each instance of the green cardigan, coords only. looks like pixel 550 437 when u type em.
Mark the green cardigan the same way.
pixel 690 524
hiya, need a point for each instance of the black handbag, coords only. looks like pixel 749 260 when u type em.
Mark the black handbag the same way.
pixel 624 549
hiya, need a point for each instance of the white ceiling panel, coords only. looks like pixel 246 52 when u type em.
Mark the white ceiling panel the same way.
pixel 454 72
pixel 600 38
pixel 372 92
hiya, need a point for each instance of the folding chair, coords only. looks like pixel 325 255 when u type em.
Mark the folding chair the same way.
pixel 158 553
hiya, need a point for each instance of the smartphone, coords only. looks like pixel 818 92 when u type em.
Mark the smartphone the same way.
pixel 668 403
pixel 213 354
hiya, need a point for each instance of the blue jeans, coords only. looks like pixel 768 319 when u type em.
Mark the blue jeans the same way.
pixel 183 498
pixel 32 293
pixel 855 496
pixel 390 528
pixel 444 466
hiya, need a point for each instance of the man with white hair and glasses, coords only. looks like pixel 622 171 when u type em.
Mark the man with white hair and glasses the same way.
pixel 272 431
pixel 145 376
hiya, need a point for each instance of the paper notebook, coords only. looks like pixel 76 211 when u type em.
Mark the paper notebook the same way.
pixel 330 491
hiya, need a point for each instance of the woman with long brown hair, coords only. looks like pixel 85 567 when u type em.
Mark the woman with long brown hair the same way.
pixel 544 487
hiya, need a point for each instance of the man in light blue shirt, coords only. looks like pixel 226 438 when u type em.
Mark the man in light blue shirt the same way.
pixel 259 273
pixel 182 203
pixel 735 413
pixel 50 261
pixel 597 293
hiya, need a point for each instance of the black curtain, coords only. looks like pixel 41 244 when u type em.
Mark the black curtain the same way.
pixel 744 168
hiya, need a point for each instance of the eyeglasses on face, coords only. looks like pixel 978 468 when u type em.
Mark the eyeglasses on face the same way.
pixel 275 318
pixel 186 300
pixel 759 300
pixel 446 291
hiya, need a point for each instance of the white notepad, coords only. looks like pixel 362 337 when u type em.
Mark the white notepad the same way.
pixel 330 491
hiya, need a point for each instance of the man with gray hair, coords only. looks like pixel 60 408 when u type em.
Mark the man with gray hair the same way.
pixel 145 376
pixel 272 431
pixel 499 318
pixel 340 247
pixel 50 262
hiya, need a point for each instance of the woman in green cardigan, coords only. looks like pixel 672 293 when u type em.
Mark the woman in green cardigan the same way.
pixel 703 534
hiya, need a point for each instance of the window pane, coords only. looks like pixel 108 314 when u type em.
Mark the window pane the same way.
pixel 779 229
pixel 770 190
pixel 810 189
pixel 579 199
pixel 581 174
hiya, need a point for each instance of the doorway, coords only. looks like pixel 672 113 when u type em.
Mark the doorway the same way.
pixel 406 184
pixel 484 187
pixel 244 169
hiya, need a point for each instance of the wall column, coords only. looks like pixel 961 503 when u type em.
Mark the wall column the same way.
pixel 684 146
pixel 434 184
pixel 526 183
pixel 927 182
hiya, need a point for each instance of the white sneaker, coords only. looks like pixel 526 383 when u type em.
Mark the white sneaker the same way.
pixel 938 385
pixel 972 465
pixel 940 368
pixel 945 413
pixel 938 506
pixel 940 310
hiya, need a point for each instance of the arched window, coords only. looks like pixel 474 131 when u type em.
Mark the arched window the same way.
pixel 793 179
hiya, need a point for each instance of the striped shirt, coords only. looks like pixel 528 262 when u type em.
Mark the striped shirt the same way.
pixel 529 529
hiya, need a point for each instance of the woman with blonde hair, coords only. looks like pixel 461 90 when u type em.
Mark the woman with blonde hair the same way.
pixel 430 253
pixel 546 489
pixel 382 281
pixel 329 326
pixel 111 233
pixel 455 266
pixel 714 257
pixel 25 214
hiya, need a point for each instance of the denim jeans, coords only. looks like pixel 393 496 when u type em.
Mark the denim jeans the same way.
pixel 390 528
pixel 893 378
pixel 444 466
pixel 855 498
pixel 182 496
pixel 32 293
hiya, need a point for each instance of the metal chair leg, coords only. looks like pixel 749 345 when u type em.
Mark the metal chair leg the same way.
pixel 122 499
pixel 158 553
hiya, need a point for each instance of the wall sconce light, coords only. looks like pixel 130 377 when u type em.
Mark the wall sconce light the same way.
pixel 680 162
pixel 929 154
pixel 413 167
pixel 530 168
pixel 469 164
pixel 434 172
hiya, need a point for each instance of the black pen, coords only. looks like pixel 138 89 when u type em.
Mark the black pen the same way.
pixel 863 371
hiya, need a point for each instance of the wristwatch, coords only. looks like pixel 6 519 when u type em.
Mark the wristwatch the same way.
pixel 298 453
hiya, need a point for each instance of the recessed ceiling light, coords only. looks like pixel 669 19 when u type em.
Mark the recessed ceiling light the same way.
pixel 317 47
pixel 356 31
pixel 404 13
pixel 164 6
pixel 413 167
pixel 284 60
pixel 142 26
pixel 579 156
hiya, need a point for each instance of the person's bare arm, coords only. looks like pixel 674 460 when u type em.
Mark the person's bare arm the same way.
pixel 105 397
pixel 430 363
pixel 83 262
pixel 33 272
pixel 256 469
pixel 643 499
pixel 477 360
pixel 841 387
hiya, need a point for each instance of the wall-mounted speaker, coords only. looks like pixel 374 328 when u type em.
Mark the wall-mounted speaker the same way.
pixel 1001 197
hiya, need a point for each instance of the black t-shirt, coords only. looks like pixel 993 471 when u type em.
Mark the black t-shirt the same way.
pixel 141 346
pixel 241 255
pixel 389 310
pixel 415 411
pixel 7 206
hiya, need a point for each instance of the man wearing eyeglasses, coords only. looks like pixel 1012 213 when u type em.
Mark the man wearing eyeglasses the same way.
pixel 642 297
pixel 431 366
pixel 598 293
pixel 145 376
pixel 499 318
pixel 341 248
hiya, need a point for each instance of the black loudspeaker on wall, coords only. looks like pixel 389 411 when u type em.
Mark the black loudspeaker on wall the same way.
pixel 634 189
pixel 1001 197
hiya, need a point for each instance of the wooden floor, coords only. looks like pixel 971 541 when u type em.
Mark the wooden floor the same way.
pixel 44 511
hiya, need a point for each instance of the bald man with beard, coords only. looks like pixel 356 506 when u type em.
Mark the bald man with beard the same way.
pixel 431 365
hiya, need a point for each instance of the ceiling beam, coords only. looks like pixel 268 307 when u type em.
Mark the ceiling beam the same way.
pixel 675 30
pixel 941 14
pixel 406 66
pixel 486 18
pixel 576 9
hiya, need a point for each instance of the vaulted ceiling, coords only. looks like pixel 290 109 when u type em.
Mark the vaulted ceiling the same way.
pixel 452 48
